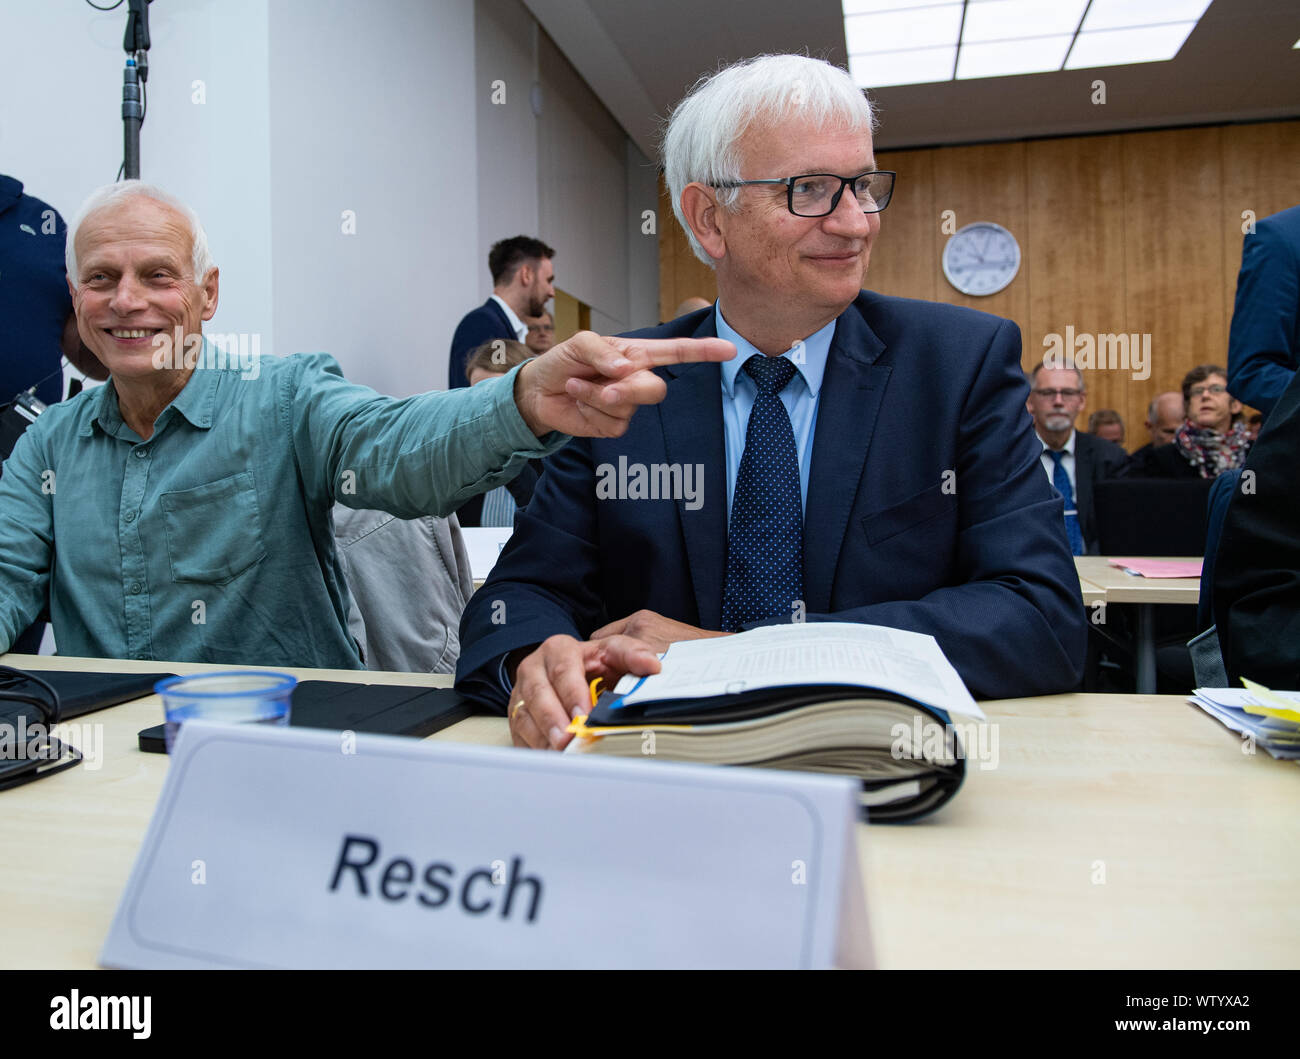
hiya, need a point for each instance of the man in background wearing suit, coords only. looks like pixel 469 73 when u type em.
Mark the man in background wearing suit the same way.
pixel 523 280
pixel 792 485
pixel 1264 341
pixel 1073 461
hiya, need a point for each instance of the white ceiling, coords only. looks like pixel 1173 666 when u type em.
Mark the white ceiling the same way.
pixel 640 56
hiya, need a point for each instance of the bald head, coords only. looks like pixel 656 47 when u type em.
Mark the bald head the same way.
pixel 1165 415
pixel 691 305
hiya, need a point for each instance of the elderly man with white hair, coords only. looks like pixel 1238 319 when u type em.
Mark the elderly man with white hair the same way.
pixel 863 458
pixel 181 511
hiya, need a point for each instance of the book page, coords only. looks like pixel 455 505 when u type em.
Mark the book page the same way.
pixel 907 663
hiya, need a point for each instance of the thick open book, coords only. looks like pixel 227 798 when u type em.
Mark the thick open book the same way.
pixel 848 699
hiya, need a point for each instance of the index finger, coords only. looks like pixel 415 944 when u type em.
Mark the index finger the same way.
pixel 655 352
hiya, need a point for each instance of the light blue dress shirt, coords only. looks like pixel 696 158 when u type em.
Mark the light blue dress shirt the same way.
pixel 212 541
pixel 800 398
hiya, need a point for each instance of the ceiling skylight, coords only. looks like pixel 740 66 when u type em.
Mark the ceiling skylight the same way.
pixel 901 42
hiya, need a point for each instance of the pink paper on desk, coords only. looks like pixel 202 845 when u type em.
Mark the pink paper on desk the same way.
pixel 1160 567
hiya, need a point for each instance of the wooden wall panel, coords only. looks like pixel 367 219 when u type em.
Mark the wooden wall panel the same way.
pixel 1261 173
pixel 1173 249
pixel 986 182
pixel 903 260
pixel 1076 203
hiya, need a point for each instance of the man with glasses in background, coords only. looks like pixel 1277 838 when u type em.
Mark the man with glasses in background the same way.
pixel 863 458
pixel 1074 461
pixel 541 332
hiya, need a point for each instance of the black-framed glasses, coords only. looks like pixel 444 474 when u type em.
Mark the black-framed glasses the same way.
pixel 1051 394
pixel 817 194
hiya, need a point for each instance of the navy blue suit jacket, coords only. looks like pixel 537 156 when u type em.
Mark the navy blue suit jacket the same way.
pixel 476 327
pixel 927 510
pixel 1264 340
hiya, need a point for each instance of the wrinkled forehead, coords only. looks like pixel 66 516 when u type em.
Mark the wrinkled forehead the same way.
pixel 800 145
pixel 1058 379
pixel 134 227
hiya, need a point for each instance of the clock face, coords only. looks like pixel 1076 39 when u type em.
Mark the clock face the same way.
pixel 981 258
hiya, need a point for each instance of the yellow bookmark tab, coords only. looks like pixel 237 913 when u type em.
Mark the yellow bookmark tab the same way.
pixel 1277 706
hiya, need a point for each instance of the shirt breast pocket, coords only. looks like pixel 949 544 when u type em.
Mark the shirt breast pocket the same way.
pixel 909 514
pixel 214 531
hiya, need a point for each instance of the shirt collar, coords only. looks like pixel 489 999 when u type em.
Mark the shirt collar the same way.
pixel 521 328
pixel 195 401
pixel 812 365
pixel 1067 447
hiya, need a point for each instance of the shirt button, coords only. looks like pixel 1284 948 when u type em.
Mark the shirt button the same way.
pixel 141 453
pixel 135 588
pixel 130 516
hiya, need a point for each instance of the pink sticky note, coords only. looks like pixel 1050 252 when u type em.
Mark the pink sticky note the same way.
pixel 1160 567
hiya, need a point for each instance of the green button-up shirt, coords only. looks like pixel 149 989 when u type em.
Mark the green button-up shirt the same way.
pixel 212 541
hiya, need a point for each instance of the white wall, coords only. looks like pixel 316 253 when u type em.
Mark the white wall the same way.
pixel 504 40
pixel 61 125
pixel 373 111
pixel 582 188
pixel 642 247
pixel 570 175
pixel 314 107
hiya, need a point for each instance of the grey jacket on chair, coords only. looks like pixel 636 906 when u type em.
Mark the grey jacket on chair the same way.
pixel 410 580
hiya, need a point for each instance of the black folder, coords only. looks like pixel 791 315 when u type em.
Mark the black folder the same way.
pixel 382 709
pixel 83 692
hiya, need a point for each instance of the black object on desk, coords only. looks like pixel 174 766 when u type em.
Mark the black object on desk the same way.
pixel 34 702
pixel 83 692
pixel 378 709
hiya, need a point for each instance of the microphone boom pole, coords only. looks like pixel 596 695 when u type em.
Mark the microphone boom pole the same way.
pixel 134 77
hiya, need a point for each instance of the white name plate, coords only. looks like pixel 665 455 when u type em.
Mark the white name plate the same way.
pixel 297 848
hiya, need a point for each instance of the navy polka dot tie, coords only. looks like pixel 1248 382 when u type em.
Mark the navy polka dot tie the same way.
pixel 765 540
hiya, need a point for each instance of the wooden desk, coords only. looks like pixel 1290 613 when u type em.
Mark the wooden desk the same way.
pixel 1116 831
pixel 1120 587
pixel 1091 593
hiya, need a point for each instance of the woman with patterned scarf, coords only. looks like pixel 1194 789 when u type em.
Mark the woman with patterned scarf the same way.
pixel 1212 439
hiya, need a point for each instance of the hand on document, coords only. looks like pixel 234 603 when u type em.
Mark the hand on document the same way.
pixel 654 629
pixel 552 683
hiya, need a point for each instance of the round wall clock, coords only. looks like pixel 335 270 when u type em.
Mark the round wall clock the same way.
pixel 981 258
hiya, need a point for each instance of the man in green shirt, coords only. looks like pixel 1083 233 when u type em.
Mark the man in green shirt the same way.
pixel 181 511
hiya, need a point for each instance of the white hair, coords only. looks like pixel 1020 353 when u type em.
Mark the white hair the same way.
pixel 701 141
pixel 110 195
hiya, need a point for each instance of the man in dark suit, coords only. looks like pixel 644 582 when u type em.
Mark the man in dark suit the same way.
pixel 1257 573
pixel 792 485
pixel 523 280
pixel 1264 341
pixel 1073 461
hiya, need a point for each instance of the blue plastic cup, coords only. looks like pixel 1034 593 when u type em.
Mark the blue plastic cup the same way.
pixel 248 697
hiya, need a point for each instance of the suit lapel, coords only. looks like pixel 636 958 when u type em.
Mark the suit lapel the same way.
pixel 1082 474
pixel 691 416
pixel 1083 487
pixel 853 389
